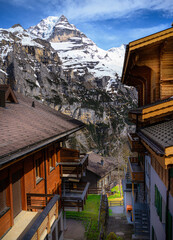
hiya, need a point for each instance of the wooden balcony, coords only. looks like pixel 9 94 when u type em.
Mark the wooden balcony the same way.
pixel 37 201
pixel 42 226
pixel 136 171
pixel 74 196
pixel 35 224
pixel 72 164
pixel 134 142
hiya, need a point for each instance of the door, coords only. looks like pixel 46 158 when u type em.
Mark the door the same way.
pixel 16 189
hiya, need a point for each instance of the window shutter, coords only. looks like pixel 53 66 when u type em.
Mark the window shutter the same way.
pixel 160 207
pixel 155 196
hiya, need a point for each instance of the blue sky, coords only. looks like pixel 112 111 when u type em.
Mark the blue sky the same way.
pixel 109 23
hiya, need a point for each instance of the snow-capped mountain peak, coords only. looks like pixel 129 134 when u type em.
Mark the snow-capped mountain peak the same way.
pixel 44 28
pixel 63 21
pixel 76 51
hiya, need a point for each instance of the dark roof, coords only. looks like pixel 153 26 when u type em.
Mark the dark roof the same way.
pixel 160 135
pixel 139 109
pixel 95 166
pixel 23 126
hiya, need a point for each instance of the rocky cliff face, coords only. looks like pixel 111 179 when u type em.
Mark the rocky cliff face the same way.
pixel 58 65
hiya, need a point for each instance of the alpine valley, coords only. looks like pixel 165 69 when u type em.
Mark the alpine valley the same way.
pixel 55 63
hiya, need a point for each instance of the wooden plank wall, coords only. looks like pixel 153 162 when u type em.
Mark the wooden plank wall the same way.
pixel 28 181
pixel 167 70
pixel 150 57
pixel 163 173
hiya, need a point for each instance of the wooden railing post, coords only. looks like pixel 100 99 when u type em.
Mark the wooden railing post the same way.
pixel 48 224
pixel 57 209
pixel 38 234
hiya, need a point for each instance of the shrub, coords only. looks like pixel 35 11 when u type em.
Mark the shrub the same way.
pixel 112 236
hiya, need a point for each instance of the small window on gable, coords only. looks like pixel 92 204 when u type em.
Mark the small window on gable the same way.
pixel 38 170
pixel 51 160
pixel 57 155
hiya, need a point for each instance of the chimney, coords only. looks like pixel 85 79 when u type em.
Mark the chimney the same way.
pixel 33 104
pixel 2 98
pixel 102 161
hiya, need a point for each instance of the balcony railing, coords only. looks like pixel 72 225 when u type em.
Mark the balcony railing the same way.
pixel 134 142
pixel 136 171
pixel 42 226
pixel 37 200
pixel 74 196
pixel 73 166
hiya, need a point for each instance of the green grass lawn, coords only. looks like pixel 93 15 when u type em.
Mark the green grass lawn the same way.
pixel 116 192
pixel 89 216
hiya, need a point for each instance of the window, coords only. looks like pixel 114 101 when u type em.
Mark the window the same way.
pixel 57 155
pixel 38 170
pixel 158 202
pixel 3 196
pixel 51 160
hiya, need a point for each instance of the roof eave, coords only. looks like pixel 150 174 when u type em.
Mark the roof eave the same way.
pixel 126 58
pixel 157 149
pixel 8 159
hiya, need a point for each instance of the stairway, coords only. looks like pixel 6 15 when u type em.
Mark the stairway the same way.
pixel 141 221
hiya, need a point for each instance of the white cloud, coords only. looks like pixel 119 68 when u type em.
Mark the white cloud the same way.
pixel 94 9
pixel 106 9
pixel 137 33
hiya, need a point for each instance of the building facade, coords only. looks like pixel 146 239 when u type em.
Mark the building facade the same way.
pixel 148 66
pixel 33 165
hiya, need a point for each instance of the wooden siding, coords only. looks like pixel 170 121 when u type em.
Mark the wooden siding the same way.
pixel 163 160
pixel 28 180
pixel 158 57
pixel 162 172
pixel 5 222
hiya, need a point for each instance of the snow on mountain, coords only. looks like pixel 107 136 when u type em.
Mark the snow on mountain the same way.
pixel 44 28
pixel 77 52
pixel 15 34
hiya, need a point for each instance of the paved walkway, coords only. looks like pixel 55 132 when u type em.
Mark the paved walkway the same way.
pixel 118 224
pixel 22 223
pixel 75 230
pixel 117 210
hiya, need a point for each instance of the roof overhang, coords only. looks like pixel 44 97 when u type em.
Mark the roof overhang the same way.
pixel 163 155
pixel 163 160
pixel 22 153
pixel 141 43
pixel 157 109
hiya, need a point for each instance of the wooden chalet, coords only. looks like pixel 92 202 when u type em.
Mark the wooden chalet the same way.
pixel 100 173
pixel 148 66
pixel 33 164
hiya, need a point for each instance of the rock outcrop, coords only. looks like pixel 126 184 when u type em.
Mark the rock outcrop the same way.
pixel 74 80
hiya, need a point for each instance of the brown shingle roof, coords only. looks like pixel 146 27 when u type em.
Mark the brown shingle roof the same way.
pixel 160 135
pixel 94 164
pixel 23 126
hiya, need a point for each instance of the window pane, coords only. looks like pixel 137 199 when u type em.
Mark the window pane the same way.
pixel 2 195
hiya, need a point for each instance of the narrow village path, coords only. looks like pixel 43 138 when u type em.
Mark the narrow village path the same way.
pixel 118 224
pixel 75 230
